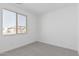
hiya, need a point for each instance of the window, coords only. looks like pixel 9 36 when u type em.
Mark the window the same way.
pixel 21 25
pixel 13 23
pixel 9 22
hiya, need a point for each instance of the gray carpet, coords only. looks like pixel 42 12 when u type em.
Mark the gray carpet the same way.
pixel 40 49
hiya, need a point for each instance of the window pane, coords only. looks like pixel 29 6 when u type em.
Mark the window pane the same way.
pixel 9 22
pixel 21 28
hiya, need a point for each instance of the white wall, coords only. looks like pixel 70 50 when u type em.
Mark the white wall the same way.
pixel 14 41
pixel 60 27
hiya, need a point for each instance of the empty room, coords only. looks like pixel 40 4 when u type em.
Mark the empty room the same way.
pixel 39 29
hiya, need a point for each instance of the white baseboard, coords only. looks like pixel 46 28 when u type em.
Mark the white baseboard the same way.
pixel 5 50
pixel 57 45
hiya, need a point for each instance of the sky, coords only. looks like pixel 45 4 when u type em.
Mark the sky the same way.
pixel 9 19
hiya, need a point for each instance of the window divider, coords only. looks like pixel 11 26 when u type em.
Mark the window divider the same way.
pixel 16 24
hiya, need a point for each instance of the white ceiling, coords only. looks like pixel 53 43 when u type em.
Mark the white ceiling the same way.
pixel 41 8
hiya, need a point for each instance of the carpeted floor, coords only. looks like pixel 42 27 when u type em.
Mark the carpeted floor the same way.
pixel 40 49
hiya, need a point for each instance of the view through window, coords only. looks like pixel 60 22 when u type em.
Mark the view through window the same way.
pixel 21 28
pixel 13 22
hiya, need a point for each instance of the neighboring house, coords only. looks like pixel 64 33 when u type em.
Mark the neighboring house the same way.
pixel 12 30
